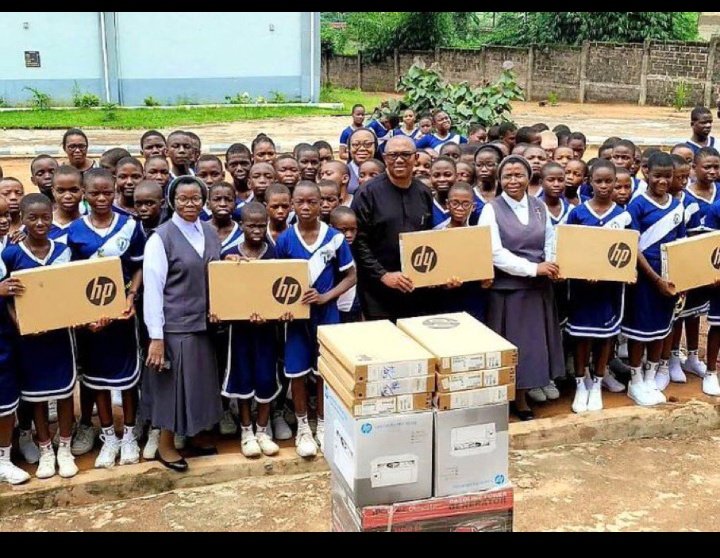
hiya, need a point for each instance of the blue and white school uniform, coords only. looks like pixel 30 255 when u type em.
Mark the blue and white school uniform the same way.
pixel 46 362
pixel 232 241
pixel 479 205
pixel 110 358
pixel 433 141
pixel 413 135
pixel 639 187
pixel 697 301
pixel 9 382
pixel 560 288
pixel 328 258
pixel 440 216
pixel 649 314
pixel 586 190
pixel 251 370
pixel 122 211
pixel 59 232
pixel 595 310
pixel 565 210
pixel 712 222
pixel 346 133
pixel 697 147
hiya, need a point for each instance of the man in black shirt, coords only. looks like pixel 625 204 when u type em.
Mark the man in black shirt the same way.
pixel 390 204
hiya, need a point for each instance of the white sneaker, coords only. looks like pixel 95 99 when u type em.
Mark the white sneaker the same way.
pixel 266 444
pixel 280 427
pixel 305 446
pixel 638 393
pixel 84 440
pixel 179 442
pixel 711 386
pixel 151 446
pixel 677 375
pixel 108 453
pixel 611 383
pixel 52 411
pixel 693 365
pixel 116 398
pixel 650 373
pixel 320 435
pixel 12 474
pixel 28 448
pixel 662 378
pixel 129 451
pixel 66 462
pixel 595 402
pixel 46 467
pixel 227 424
pixel 249 445
pixel 580 403
pixel 551 392
pixel 537 395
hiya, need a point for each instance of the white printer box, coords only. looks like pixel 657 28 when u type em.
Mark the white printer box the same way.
pixel 471 450
pixel 383 460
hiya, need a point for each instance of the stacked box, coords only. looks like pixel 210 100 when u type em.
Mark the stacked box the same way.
pixel 475 366
pixel 488 512
pixel 375 369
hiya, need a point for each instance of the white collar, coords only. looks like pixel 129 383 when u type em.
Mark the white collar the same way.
pixel 321 236
pixel 514 204
pixel 183 224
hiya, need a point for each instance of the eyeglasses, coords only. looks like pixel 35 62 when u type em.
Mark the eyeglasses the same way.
pixel 195 200
pixel 366 144
pixel 76 147
pixel 404 155
pixel 485 165
pixel 454 204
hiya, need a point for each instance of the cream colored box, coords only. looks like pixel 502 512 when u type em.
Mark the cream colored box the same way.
pixel 596 253
pixel 71 294
pixel 372 351
pixel 460 343
pixel 474 398
pixel 692 262
pixel 475 380
pixel 432 258
pixel 270 288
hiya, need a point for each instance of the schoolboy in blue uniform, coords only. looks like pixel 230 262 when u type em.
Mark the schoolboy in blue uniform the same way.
pixel 329 259
pixel 46 361
pixel 68 193
pixel 251 370
pixel 109 351
pixel 595 309
pixel 443 174
pixel 701 121
pixel 650 304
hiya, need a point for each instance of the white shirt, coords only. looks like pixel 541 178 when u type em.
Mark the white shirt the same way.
pixel 155 270
pixel 505 260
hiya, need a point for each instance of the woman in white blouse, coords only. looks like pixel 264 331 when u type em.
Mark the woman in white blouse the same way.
pixel 521 306
pixel 183 381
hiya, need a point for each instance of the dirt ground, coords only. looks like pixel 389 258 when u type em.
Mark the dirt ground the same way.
pixel 636 485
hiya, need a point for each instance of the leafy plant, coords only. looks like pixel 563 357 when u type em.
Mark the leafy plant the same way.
pixel 109 111
pixel 4 103
pixel 84 100
pixel 681 97
pixel 426 90
pixel 278 98
pixel 184 100
pixel 239 99
pixel 39 99
pixel 151 101
pixel 553 98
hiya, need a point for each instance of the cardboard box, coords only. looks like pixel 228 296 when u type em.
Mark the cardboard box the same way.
pixel 373 407
pixel 382 388
pixel 692 262
pixel 372 351
pixel 471 450
pixel 460 343
pixel 596 253
pixel 475 380
pixel 382 460
pixel 486 512
pixel 72 294
pixel 474 398
pixel 269 288
pixel 432 258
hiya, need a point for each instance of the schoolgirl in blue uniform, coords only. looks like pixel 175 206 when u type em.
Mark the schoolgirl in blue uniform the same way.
pixel 358 119
pixel 595 309
pixel 443 134
pixel 67 193
pixel 650 304
pixel 251 370
pixel 109 351
pixel 128 174
pixel 697 199
pixel 329 259
pixel 46 361
pixel 711 384
pixel 487 161
pixel 443 174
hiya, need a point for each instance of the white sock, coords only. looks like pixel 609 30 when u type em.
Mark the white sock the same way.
pixel 636 375
pixel 580 382
pixel 651 371
pixel 675 354
pixel 260 429
pixel 65 442
pixel 27 433
pixel 693 355
pixel 664 363
pixel 246 429
pixel 128 432
pixel 5 453
pixel 47 446
pixel 108 432
pixel 302 422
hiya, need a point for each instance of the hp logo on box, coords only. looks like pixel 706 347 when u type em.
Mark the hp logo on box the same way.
pixel 499 480
pixel 366 428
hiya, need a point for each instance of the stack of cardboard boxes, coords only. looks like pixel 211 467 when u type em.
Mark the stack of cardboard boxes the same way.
pixel 397 464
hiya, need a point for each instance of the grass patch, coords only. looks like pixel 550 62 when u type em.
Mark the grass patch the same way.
pixel 145 118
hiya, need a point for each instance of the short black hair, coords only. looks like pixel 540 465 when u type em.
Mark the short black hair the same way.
pixel 552 165
pixel 150 185
pixel 73 132
pixel 649 151
pixel 377 162
pixel 340 212
pixel 561 129
pixel 209 157
pixel 113 156
pixel 219 185
pixel 130 161
pixel 253 208
pixel 276 189
pixel 449 145
pixel 344 167
pixel 603 164
pixel 37 159
pixel 540 127
pixel 469 148
pixel 444 159
pixel 660 159
pixel 35 199
pixel 307 184
pixel 261 138
pixel 149 134
pixel 237 148
pixel 698 113
pixel 706 152
pixel 475 127
pixel 67 170
pixel 506 127
pixel 490 148
pixel 460 187
pixel 194 136
pixel 623 170
pixel 526 134
pixel 304 148
pixel 678 161
pixel 578 136
pixel 156 158
pixel 91 175
pixel 329 184
pixel 627 144
pixel 322 144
